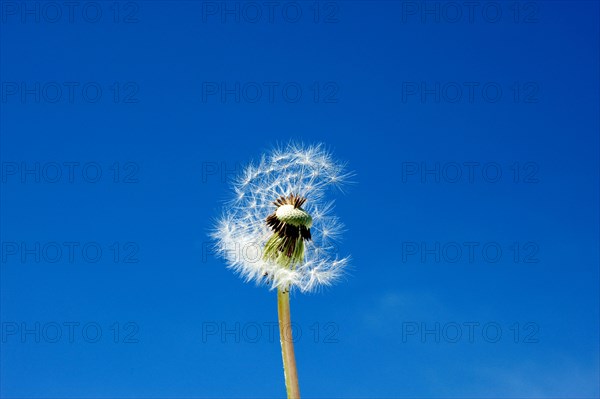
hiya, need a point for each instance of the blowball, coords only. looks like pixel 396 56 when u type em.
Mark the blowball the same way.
pixel 278 229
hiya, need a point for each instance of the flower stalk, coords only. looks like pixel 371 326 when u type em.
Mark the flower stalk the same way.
pixel 287 345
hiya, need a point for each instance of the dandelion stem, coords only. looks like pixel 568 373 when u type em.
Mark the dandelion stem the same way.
pixel 287 345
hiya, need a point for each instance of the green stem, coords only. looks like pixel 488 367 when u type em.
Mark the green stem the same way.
pixel 287 345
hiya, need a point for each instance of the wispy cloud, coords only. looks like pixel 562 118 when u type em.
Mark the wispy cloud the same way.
pixel 557 377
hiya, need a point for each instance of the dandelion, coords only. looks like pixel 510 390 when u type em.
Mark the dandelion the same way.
pixel 279 230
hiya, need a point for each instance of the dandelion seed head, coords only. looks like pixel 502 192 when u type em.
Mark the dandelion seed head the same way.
pixel 294 172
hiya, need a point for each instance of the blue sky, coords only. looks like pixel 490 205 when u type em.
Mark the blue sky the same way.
pixel 473 226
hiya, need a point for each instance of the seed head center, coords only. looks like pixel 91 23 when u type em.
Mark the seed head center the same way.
pixel 294 216
pixel 291 227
